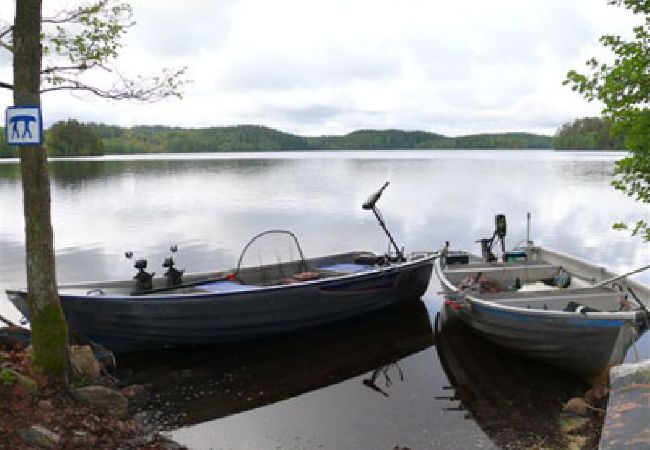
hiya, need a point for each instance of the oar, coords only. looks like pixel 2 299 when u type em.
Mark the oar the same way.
pixel 184 285
pixel 618 277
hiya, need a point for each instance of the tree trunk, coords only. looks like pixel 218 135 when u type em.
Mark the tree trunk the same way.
pixel 49 329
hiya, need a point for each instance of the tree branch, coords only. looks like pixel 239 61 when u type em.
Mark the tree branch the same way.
pixel 78 67
pixel 6 85
pixel 70 16
pixel 145 90
pixel 6 31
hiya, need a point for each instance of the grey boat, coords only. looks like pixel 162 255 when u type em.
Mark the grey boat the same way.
pixel 252 305
pixel 249 302
pixel 546 304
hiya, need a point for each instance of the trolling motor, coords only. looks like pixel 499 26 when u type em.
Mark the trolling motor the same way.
pixel 143 279
pixel 370 204
pixel 498 236
pixel 173 275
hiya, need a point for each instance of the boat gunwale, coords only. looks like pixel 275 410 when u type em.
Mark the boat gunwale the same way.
pixel 208 295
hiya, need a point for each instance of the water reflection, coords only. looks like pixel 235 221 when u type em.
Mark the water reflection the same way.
pixel 516 401
pixel 196 386
pixel 212 204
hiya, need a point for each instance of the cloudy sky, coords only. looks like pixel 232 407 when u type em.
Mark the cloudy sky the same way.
pixel 331 66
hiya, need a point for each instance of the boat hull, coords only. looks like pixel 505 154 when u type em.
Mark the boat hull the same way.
pixel 587 344
pixel 587 347
pixel 137 323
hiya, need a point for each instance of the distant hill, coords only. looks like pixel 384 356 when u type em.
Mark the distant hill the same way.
pixel 162 139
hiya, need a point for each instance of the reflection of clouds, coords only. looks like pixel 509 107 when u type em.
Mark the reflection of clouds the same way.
pixel 209 204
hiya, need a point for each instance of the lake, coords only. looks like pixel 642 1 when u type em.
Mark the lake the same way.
pixel 377 383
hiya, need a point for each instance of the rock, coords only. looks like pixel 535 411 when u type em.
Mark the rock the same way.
pixel 83 362
pixel 136 394
pixel 627 374
pixel 577 405
pixel 104 399
pixel 596 394
pixel 39 437
pixel 45 405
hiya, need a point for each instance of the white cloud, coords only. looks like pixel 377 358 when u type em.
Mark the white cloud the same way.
pixel 332 66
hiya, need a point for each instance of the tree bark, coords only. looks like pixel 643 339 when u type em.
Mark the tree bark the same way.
pixel 49 329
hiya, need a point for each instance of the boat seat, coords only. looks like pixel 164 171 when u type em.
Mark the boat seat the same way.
pixel 526 272
pixel 226 286
pixel 345 268
pixel 602 299
pixel 550 293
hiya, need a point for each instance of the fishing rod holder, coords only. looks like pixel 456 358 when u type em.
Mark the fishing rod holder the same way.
pixel 143 279
pixel 173 276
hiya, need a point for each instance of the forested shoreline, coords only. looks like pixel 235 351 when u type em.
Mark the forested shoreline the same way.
pixel 73 138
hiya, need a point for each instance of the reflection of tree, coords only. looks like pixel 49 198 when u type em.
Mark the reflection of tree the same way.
pixel 75 173
pixel 9 172
pixel 377 373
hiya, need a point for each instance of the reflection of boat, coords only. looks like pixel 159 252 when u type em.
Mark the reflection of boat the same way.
pixel 251 301
pixel 546 305
pixel 516 401
pixel 213 382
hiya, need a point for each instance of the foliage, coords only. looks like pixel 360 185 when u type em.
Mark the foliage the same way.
pixel 71 138
pixel 588 133
pixel 76 40
pixel 6 151
pixel 503 141
pixel 623 87
pixel 7 377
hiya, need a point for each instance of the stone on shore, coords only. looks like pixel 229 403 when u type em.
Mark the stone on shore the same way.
pixel 577 405
pixel 39 437
pixel 628 410
pixel 83 362
pixel 109 401
pixel 136 394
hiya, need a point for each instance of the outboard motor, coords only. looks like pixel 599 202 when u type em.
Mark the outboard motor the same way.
pixel 173 275
pixel 499 235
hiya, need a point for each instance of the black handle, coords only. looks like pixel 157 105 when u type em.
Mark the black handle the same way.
pixel 370 203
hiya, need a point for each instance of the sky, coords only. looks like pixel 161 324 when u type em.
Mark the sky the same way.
pixel 320 67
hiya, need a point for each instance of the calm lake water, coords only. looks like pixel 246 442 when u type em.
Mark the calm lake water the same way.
pixel 387 380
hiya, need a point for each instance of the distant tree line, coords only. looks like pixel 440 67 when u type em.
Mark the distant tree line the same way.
pixel 65 138
pixel 72 138
pixel 5 150
pixel 588 133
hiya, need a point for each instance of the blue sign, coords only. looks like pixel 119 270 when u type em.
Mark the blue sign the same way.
pixel 23 125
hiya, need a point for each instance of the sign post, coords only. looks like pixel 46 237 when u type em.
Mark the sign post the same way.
pixel 23 125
